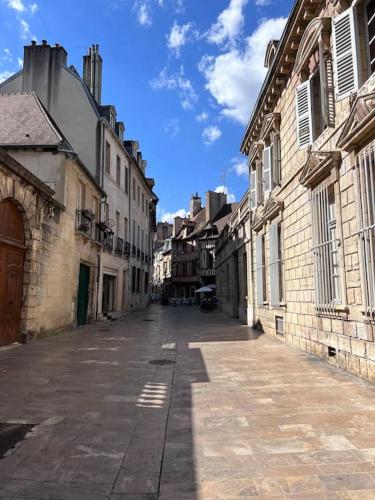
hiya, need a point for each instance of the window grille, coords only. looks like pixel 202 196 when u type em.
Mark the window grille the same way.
pixel 325 248
pixel 275 264
pixel 279 325
pixel 365 186
pixel 260 271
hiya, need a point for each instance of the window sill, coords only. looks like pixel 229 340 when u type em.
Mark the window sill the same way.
pixel 281 306
pixel 338 309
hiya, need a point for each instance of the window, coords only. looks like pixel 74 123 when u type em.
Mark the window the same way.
pixel 139 196
pixel 276 271
pixel 279 325
pixel 138 235
pixel 370 21
pixel 267 160
pixel 133 188
pixel 325 248
pixel 118 170
pixel 365 184
pixel 81 195
pixel 117 223
pixel 126 180
pixel 143 202
pixel 126 229
pixel 133 232
pixel 133 279
pixel 138 280
pixel 253 189
pixel 260 270
pixel 304 118
pixel 107 157
pixel 146 282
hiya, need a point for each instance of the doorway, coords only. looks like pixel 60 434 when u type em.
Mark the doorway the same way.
pixel 12 254
pixel 108 293
pixel 83 294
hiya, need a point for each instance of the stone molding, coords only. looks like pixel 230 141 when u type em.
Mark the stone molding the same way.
pixel 272 208
pixel 258 222
pixel 318 166
pixel 270 122
pixel 316 34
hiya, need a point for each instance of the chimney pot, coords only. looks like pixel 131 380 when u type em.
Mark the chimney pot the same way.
pixel 33 42
pixel 44 42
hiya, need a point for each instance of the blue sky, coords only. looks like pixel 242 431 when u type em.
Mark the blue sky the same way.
pixel 183 75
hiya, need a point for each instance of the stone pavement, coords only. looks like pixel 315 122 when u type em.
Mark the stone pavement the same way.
pixel 237 415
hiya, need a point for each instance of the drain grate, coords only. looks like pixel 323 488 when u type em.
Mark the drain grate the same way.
pixel 147 319
pixel 11 434
pixel 162 362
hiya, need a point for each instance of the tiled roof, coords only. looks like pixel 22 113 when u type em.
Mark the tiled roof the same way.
pixel 24 122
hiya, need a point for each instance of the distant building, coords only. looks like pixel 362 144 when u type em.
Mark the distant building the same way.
pixel 193 244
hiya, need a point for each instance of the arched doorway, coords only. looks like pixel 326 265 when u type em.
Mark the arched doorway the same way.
pixel 12 252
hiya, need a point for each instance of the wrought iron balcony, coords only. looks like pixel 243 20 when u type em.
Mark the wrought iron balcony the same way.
pixel 108 241
pixel 134 251
pixel 126 249
pixel 85 222
pixel 119 247
pixel 138 253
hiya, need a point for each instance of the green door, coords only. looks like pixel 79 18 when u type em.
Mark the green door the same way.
pixel 83 294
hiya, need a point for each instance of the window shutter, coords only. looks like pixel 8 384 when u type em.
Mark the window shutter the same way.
pixel 304 114
pixel 275 159
pixel 274 265
pixel 259 269
pixel 267 169
pixel 327 92
pixel 345 55
pixel 253 189
pixel 259 183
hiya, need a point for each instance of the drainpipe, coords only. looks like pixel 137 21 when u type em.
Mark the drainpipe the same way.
pixel 101 177
pixel 252 307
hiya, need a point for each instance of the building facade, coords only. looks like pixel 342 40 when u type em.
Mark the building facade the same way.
pixel 310 147
pixel 232 258
pixel 51 201
pixel 127 215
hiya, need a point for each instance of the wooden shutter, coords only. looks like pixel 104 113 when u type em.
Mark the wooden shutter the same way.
pixel 275 159
pixel 259 269
pixel 275 265
pixel 304 113
pixel 327 93
pixel 267 169
pixel 259 182
pixel 253 189
pixel 345 53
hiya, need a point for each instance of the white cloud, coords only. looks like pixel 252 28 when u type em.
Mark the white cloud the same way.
pixel 211 134
pixel 262 3
pixel 4 75
pixel 25 29
pixel 144 14
pixel 20 62
pixel 179 36
pixel 202 117
pixel 231 198
pixel 172 128
pixel 16 5
pixel 34 8
pixel 169 216
pixel 240 166
pixel 229 24
pixel 6 57
pixel 234 77
pixel 178 82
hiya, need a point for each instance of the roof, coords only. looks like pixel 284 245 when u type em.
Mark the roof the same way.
pixel 24 122
pixel 223 216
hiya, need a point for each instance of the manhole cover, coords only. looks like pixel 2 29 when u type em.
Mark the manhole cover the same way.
pixel 162 362
pixel 11 434
pixel 148 320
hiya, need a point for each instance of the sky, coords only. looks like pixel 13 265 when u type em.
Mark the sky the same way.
pixel 182 74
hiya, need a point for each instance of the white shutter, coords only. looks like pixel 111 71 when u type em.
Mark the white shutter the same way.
pixel 259 179
pixel 253 189
pixel 304 114
pixel 275 159
pixel 259 269
pixel 345 53
pixel 275 265
pixel 267 169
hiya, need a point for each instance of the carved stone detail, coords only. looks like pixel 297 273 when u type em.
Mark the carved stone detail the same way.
pixel 318 166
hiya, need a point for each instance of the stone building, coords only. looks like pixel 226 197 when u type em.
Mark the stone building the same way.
pixel 231 262
pixel 162 272
pixel 310 144
pixel 193 244
pixel 49 206
pixel 97 137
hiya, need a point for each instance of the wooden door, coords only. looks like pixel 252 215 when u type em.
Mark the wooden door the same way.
pixel 12 251
pixel 83 294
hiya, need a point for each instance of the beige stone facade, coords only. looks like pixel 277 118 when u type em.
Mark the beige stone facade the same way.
pixel 55 247
pixel 312 192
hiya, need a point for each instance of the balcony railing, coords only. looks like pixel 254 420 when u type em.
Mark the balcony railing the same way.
pixel 85 222
pixel 108 241
pixel 138 253
pixel 134 251
pixel 119 247
pixel 142 256
pixel 126 249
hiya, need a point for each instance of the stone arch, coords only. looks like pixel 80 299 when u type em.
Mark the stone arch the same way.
pixel 317 33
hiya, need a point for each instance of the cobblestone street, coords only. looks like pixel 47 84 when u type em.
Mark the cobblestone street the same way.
pixel 228 414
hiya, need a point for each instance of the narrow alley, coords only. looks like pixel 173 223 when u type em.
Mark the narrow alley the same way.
pixel 170 403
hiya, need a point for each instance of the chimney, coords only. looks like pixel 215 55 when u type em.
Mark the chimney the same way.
pixel 92 72
pixel 42 66
pixel 214 203
pixel 195 205
pixel 177 225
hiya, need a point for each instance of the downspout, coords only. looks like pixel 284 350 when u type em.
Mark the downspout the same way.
pixel 252 289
